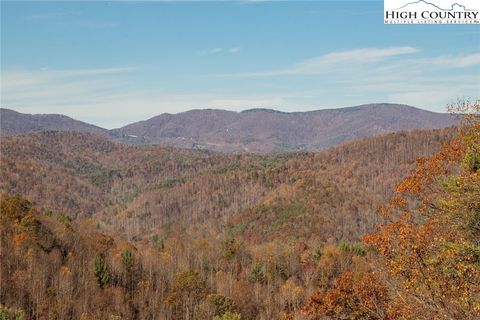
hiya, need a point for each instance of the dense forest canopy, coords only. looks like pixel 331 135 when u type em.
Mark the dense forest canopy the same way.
pixel 92 229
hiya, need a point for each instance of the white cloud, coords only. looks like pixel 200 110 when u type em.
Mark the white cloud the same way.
pixel 331 61
pixel 210 51
pixel 215 50
pixel 427 97
pixel 56 90
pixel 234 50
pixel 458 61
pixel 32 80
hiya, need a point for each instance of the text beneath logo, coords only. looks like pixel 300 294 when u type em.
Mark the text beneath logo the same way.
pixel 431 12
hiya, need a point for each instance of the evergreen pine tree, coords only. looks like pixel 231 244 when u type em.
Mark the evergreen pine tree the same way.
pixel 100 271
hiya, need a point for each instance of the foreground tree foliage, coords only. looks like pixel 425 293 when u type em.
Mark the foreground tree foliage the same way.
pixel 204 236
pixel 428 244
pixel 353 296
pixel 431 242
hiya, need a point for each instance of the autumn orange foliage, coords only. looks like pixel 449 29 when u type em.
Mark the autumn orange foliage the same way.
pixel 430 240
pixel 354 296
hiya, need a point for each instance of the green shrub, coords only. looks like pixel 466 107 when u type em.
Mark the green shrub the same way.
pixel 10 313
pixel 221 304
pixel 355 248
pixel 256 273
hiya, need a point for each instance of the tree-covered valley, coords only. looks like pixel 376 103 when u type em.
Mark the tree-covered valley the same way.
pixel 385 227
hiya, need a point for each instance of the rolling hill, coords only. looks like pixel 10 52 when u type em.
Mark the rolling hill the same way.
pixel 14 123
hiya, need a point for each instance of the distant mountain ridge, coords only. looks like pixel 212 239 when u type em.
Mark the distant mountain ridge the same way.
pixel 13 123
pixel 264 130
pixel 254 130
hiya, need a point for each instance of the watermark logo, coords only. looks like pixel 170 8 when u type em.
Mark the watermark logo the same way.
pixel 432 12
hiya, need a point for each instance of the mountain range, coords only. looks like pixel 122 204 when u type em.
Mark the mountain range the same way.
pixel 254 130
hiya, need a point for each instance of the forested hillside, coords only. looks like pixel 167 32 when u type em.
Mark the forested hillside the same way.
pixel 92 229
pixel 142 191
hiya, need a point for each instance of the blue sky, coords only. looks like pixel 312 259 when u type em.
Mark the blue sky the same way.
pixel 111 63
